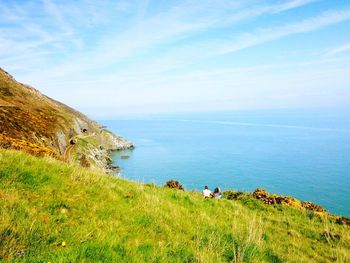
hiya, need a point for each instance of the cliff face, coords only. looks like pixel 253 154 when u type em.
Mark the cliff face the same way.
pixel 35 123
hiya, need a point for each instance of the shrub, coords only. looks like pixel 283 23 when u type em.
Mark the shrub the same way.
pixel 174 184
pixel 232 195
pixel 343 220
pixel 272 199
pixel 312 207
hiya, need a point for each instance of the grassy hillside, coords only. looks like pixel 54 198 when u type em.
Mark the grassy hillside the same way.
pixel 26 114
pixel 54 212
pixel 41 126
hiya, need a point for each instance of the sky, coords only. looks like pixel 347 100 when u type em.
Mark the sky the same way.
pixel 111 58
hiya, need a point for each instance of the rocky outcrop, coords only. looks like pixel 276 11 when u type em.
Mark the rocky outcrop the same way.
pixel 61 141
pixel 112 142
pixel 93 150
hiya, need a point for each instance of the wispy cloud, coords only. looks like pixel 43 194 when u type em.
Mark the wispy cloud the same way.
pixel 163 51
pixel 175 22
pixel 54 11
pixel 339 49
pixel 268 34
pixel 292 4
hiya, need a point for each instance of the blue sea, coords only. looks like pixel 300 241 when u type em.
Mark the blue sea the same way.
pixel 302 153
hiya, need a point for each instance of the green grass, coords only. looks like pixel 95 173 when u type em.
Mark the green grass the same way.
pixel 100 218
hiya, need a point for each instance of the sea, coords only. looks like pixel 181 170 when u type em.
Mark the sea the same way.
pixel 303 153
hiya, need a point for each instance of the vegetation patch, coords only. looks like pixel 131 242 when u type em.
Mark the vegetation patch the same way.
pixel 174 185
pixel 23 145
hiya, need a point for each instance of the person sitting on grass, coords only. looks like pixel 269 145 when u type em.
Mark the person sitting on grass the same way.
pixel 217 193
pixel 206 192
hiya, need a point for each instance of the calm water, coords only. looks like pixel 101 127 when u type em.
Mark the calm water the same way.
pixel 305 154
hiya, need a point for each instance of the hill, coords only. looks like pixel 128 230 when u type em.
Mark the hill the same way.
pixel 51 211
pixel 37 124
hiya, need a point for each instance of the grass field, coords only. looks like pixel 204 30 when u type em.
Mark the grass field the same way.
pixel 54 212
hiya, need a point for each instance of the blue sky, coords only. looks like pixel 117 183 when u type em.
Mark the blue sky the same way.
pixel 112 58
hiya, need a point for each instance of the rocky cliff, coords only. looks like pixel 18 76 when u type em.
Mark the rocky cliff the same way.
pixel 37 124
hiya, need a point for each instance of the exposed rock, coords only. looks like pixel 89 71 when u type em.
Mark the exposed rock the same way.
pixel 83 125
pixel 75 128
pixel 112 142
pixel 61 141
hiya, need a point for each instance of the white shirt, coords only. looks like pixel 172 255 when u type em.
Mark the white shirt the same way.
pixel 206 192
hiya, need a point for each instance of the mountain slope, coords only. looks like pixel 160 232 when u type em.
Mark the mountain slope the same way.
pixel 54 212
pixel 35 123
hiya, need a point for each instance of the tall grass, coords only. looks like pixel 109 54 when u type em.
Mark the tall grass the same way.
pixel 54 212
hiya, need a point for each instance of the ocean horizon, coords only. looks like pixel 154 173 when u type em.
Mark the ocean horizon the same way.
pixel 301 153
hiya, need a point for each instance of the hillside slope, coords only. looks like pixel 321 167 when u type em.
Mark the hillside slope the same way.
pixel 54 212
pixel 35 123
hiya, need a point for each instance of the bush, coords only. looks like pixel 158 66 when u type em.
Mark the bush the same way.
pixel 174 184
pixel 232 195
pixel 313 207
pixel 343 220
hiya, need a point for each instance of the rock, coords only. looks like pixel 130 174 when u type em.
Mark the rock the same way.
pixel 61 141
pixel 83 125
